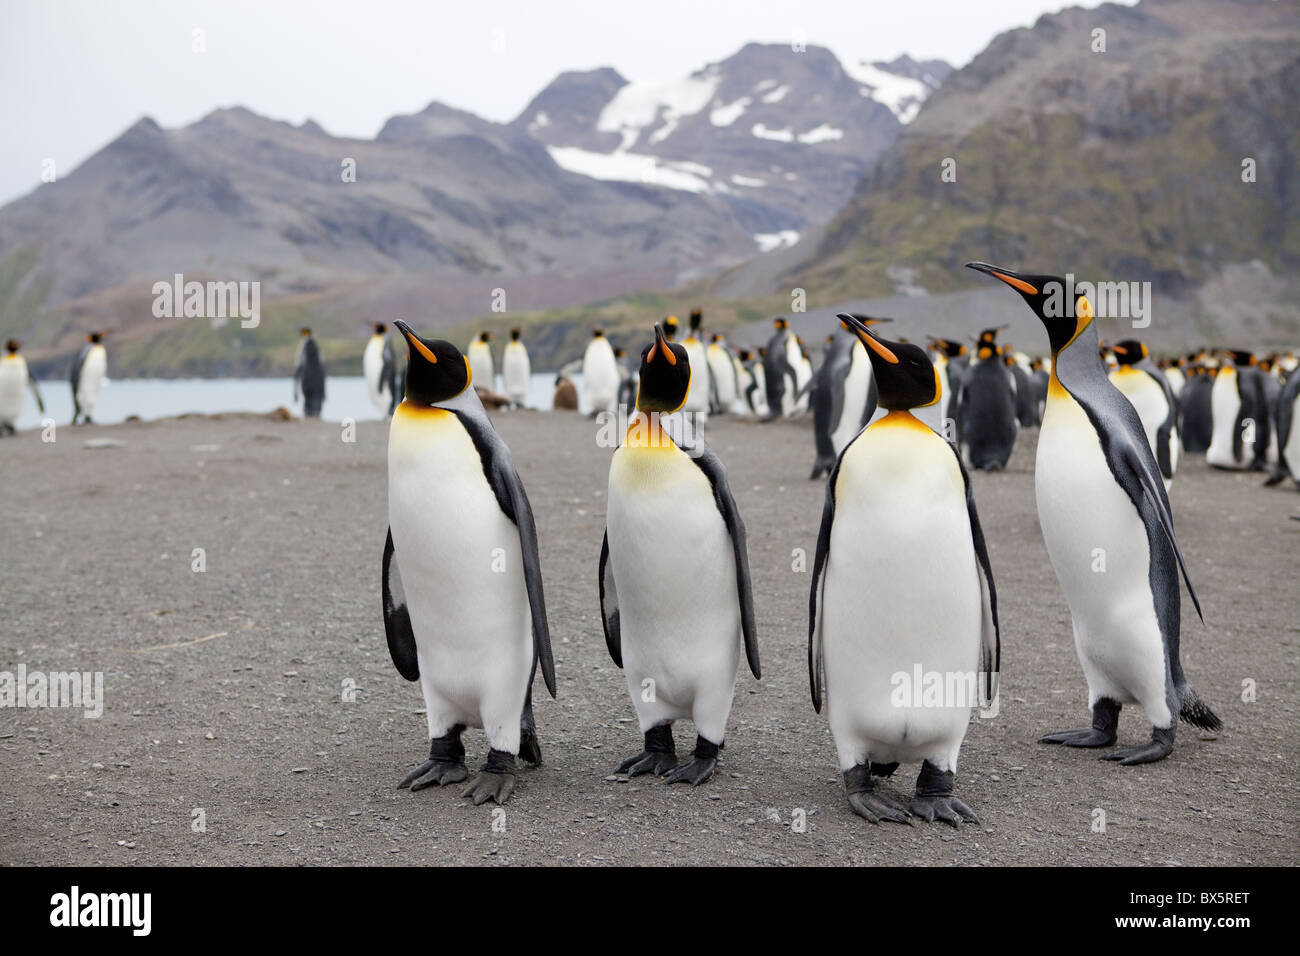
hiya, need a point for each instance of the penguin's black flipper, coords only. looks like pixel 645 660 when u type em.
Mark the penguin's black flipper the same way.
pixel 609 605
pixel 504 481
pixel 713 470
pixel 990 631
pixel 815 598
pixel 397 619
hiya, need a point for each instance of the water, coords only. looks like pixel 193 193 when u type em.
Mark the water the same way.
pixel 345 397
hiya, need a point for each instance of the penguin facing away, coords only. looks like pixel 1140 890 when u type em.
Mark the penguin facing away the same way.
pixel 1287 413
pixel 1195 410
pixel 988 408
pixel 901 583
pixel 15 379
pixel 671 516
pixel 87 376
pixel 516 369
pixel 471 634
pixel 379 366
pixel 1100 496
pixel 600 375
pixel 309 376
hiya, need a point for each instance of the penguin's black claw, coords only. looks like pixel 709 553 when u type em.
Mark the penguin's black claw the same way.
pixel 1084 737
pixel 948 809
pixel 496 781
pixel 659 756
pixel 1160 747
pixel 446 763
pixel 869 803
pixel 703 762
pixel 648 761
pixel 434 772
pixel 695 772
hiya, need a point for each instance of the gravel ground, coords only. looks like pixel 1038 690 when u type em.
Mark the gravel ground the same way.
pixel 224 690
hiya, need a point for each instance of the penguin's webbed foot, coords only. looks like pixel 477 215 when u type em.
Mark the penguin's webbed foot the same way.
pixel 703 762
pixel 446 763
pixel 496 781
pixel 1105 722
pixel 1160 747
pixel 869 803
pixel 934 800
pixel 659 756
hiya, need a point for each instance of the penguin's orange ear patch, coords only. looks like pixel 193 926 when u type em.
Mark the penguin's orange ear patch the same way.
pixel 1083 308
pixel 1015 283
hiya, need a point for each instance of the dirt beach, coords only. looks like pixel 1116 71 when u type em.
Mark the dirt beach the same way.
pixel 228 735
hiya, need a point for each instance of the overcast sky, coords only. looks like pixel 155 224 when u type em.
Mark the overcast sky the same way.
pixel 76 73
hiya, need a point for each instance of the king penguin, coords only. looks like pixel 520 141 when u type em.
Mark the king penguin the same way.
pixel 379 366
pixel 516 370
pixel 471 625
pixel 722 375
pixel 901 585
pixel 1195 409
pixel 309 376
pixel 1240 418
pixel 480 361
pixel 781 361
pixel 1287 413
pixel 700 397
pixel 1149 392
pixel 988 408
pixel 600 375
pixel 1100 498
pixel 87 376
pixel 15 379
pixel 671 517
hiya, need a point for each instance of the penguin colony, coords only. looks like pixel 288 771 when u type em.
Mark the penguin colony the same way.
pixel 901 576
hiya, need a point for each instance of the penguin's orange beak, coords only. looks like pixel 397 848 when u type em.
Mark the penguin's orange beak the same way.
pixel 661 347
pixel 859 328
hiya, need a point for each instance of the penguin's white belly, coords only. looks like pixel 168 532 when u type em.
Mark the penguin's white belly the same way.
pixel 372 366
pixel 1290 452
pixel 481 371
pixel 697 398
pixel 857 386
pixel 92 376
pixel 13 382
pixel 462 571
pixel 1098 545
pixel 901 600
pixel 665 530
pixel 1225 404
pixel 517 371
pixel 600 378
pixel 721 371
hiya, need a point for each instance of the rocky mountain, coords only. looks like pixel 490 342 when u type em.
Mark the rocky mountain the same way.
pixel 783 136
pixel 443 208
pixel 1157 143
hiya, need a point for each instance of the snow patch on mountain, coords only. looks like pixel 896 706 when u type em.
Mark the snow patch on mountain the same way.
pixel 901 94
pixel 639 107
pixel 771 241
pixel 626 167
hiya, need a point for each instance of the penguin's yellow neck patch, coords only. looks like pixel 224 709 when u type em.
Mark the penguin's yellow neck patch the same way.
pixel 644 433
pixel 414 412
pixel 901 419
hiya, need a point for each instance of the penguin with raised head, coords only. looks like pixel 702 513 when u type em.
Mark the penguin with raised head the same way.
pixel 516 369
pixel 464 608
pixel 722 375
pixel 781 362
pixel 901 585
pixel 480 361
pixel 1100 498
pixel 1195 409
pixel 1241 427
pixel 379 366
pixel 87 376
pixel 671 517
pixel 15 379
pixel 988 408
pixel 309 375
pixel 1146 388
pixel 600 375
pixel 1287 414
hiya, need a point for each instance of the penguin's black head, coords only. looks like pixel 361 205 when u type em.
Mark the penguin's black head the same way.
pixel 436 371
pixel 1240 356
pixel 620 353
pixel 697 317
pixel 1046 296
pixel 11 346
pixel 379 328
pixel 485 336
pixel 597 333
pixel 745 355
pixel 905 376
pixel 1129 351
pixel 670 327
pixel 780 324
pixel 989 337
pixel 716 338
pixel 515 333
pixel 304 332
pixel 665 376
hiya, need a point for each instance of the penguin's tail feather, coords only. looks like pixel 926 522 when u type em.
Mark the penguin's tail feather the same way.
pixel 1194 711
